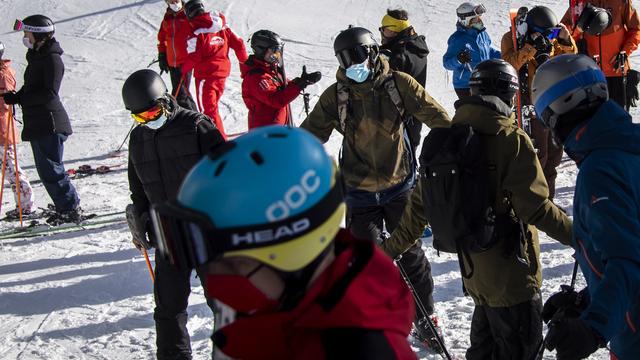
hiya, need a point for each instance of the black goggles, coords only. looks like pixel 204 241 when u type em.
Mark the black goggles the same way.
pixel 357 55
pixel 550 33
pixel 188 238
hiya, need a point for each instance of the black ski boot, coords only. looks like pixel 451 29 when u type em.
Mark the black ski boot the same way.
pixel 63 217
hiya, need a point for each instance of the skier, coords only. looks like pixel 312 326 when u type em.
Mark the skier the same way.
pixel 367 106
pixel 468 46
pixel 264 90
pixel 209 56
pixel 543 39
pixel 407 52
pixel 9 137
pixel 599 135
pixel 46 123
pixel 505 285
pixel 613 46
pixel 172 50
pixel 168 141
pixel 275 253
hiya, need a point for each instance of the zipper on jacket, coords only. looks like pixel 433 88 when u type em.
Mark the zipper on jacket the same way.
pixel 173 40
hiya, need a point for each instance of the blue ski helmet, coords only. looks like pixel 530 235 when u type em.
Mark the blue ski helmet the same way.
pixel 276 179
pixel 566 83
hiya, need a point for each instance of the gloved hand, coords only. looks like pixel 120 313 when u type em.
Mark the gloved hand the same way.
pixel 542 44
pixel 619 61
pixel 162 62
pixel 11 98
pixel 307 79
pixel 139 226
pixel 568 301
pixel 464 56
pixel 572 339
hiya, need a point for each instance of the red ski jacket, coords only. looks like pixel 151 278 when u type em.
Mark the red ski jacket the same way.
pixel 359 308
pixel 209 48
pixel 172 37
pixel 265 93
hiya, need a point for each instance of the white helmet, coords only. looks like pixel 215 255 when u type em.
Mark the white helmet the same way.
pixel 469 10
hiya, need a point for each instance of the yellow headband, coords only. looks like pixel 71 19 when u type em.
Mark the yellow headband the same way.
pixel 393 24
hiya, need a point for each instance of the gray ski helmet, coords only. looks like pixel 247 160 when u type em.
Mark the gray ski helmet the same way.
pixel 469 10
pixel 354 45
pixel 142 90
pixel 594 20
pixel 41 26
pixel 541 18
pixel 566 83
pixel 1 49
pixel 494 77
pixel 193 8
pixel 262 40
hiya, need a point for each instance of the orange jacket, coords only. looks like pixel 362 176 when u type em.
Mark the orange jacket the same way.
pixel 7 83
pixel 172 37
pixel 526 55
pixel 622 35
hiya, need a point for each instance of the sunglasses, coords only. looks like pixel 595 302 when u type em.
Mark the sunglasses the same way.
pixel 148 115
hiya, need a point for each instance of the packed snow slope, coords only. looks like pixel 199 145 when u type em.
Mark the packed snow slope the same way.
pixel 87 295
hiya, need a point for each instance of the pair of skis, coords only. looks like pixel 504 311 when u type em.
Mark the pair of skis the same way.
pixel 525 112
pixel 37 228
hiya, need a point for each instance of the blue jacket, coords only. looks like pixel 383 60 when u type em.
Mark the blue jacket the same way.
pixel 479 44
pixel 606 224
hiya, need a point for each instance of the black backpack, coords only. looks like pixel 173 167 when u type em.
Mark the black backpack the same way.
pixel 455 181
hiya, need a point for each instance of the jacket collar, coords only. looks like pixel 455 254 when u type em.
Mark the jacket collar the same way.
pixel 487 114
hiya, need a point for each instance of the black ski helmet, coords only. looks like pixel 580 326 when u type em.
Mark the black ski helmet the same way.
pixel 541 18
pixel 41 26
pixel 262 40
pixel 142 90
pixel 193 8
pixel 594 20
pixel 354 45
pixel 494 77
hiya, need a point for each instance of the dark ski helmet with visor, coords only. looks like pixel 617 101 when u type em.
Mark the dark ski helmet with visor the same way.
pixel 494 77
pixel 142 93
pixel 355 45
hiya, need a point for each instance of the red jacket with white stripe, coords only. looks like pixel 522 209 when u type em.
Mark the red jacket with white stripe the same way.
pixel 208 50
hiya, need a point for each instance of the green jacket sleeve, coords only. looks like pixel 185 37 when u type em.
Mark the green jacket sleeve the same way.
pixel 411 226
pixel 419 103
pixel 530 194
pixel 324 116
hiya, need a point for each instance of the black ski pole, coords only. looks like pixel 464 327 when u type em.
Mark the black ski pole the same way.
pixel 284 83
pixel 422 309
pixel 125 138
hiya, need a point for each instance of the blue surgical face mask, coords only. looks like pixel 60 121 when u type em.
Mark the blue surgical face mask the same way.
pixel 359 72
pixel 157 124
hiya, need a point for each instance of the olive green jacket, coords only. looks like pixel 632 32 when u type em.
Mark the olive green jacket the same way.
pixel 515 175
pixel 373 153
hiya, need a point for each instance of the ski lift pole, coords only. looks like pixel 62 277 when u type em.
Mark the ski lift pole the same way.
pixel 422 309
pixel 146 259
pixel 12 116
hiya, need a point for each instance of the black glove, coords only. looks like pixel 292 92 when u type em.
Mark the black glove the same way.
pixel 572 339
pixel 162 62
pixel 11 98
pixel 307 79
pixel 464 56
pixel 139 226
pixel 565 304
pixel 619 61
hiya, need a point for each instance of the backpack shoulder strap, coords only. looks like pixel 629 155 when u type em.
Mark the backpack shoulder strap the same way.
pixel 392 89
pixel 342 97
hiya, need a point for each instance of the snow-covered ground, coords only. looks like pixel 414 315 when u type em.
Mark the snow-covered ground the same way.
pixel 87 295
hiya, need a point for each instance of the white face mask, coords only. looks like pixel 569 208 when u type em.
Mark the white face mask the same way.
pixel 157 124
pixel 176 7
pixel 27 43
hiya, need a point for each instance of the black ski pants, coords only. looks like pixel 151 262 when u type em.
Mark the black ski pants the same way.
pixel 171 291
pixel 368 222
pixel 617 87
pixel 184 98
pixel 549 154
pixel 503 333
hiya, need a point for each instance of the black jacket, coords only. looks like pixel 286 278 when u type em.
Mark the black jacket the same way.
pixel 160 159
pixel 42 110
pixel 408 53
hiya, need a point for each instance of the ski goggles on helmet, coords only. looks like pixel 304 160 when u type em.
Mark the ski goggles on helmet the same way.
pixel 189 239
pixel 356 55
pixel 549 33
pixel 476 11
pixel 148 115
pixel 18 25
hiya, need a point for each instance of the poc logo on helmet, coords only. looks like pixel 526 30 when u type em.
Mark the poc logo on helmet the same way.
pixel 295 197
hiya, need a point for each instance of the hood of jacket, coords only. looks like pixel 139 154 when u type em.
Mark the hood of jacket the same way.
pixel 380 72
pixel 360 289
pixel 253 63
pixel 50 46
pixel 415 44
pixel 609 128
pixel 487 114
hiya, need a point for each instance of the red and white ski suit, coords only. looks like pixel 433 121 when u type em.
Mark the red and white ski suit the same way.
pixel 209 58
